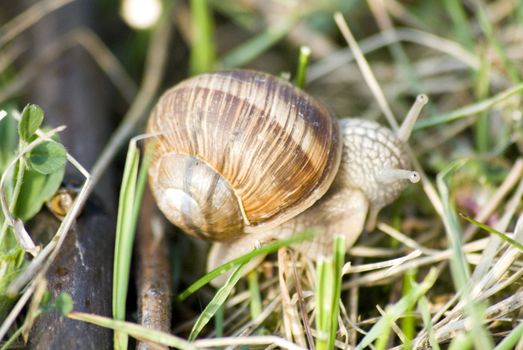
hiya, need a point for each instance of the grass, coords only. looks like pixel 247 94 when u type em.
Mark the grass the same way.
pixel 408 323
pixel 502 235
pixel 216 302
pixel 264 250
pixel 131 192
pixel 301 71
pixel 203 53
pixel 458 264
pixel 450 276
pixel 469 110
pixel 254 47
pixel 328 293
pixel 255 297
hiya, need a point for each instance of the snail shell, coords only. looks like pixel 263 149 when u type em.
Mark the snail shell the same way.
pixel 370 176
pixel 240 152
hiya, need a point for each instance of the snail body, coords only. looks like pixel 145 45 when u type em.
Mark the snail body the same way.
pixel 243 156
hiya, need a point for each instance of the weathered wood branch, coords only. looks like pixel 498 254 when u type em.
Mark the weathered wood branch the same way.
pixel 154 273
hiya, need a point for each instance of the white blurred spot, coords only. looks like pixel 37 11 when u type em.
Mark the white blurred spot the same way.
pixel 141 14
pixel 516 116
pixel 305 50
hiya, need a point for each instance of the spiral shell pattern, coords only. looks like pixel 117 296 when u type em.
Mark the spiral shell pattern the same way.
pixel 273 150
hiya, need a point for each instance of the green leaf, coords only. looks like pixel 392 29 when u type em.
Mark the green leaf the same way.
pixel 64 303
pixel 8 141
pixel 48 157
pixel 32 117
pixel 46 298
pixel 36 189
pixel 12 263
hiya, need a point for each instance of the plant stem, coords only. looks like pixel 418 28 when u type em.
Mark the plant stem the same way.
pixel 202 46
pixel 254 291
pixel 303 61
pixel 14 197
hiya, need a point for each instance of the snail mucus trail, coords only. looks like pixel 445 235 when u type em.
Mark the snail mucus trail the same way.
pixel 243 157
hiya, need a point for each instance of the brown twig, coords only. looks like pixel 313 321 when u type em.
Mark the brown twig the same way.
pixel 154 275
pixel 29 17
pixel 301 303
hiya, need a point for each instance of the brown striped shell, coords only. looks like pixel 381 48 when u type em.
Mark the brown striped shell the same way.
pixel 240 151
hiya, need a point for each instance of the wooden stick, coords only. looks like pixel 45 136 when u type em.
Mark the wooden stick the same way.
pixel 154 273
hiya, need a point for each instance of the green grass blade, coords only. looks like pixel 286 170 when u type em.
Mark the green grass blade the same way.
pixel 254 47
pixel 408 322
pixel 423 306
pixel 133 184
pixel 134 330
pixel 519 12
pixel 494 231
pixel 467 110
pixel 461 24
pixel 264 250
pixel 397 310
pixel 461 342
pixel 339 260
pixel 489 31
pixel 328 292
pixel 238 13
pixel 8 139
pixel 216 302
pixel 512 339
pixel 303 61
pixel 323 277
pixel 254 291
pixel 203 53
pixel 124 239
pixel 142 180
pixel 407 70
pixel 481 90
pixel 218 322
pixel 383 338
pixel 7 344
pixel 458 263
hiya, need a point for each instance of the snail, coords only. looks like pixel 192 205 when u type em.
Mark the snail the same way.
pixel 61 202
pixel 243 157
